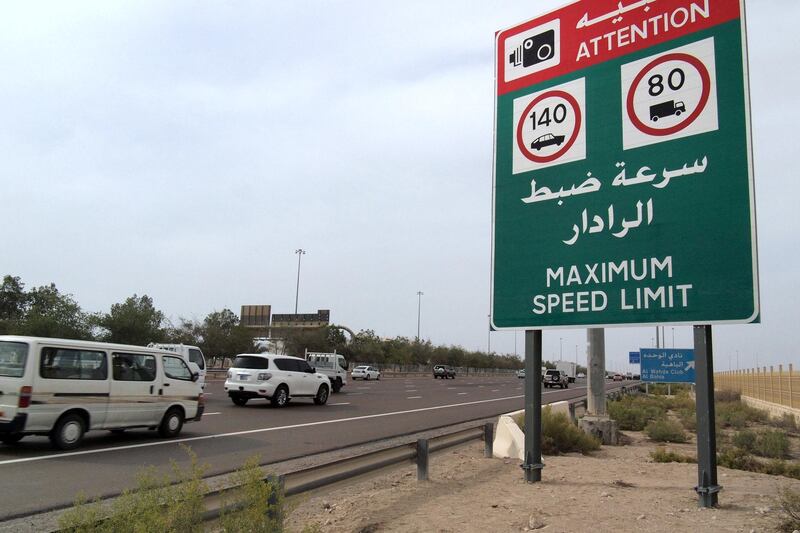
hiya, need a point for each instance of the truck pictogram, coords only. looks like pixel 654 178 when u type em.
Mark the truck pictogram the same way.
pixel 666 109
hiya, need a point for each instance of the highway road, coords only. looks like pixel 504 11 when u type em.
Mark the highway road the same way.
pixel 34 477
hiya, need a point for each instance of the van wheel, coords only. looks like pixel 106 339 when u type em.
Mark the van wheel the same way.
pixel 11 439
pixel 68 432
pixel 239 400
pixel 322 395
pixel 172 424
pixel 281 397
pixel 337 385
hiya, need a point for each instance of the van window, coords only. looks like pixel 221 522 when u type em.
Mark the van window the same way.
pixel 176 368
pixel 61 363
pixel 251 363
pixel 196 357
pixel 342 362
pixel 133 367
pixel 12 359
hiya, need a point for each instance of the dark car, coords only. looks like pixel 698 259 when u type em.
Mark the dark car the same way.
pixel 546 140
pixel 556 378
pixel 444 372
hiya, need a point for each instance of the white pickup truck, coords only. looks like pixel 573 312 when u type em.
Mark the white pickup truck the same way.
pixel 333 365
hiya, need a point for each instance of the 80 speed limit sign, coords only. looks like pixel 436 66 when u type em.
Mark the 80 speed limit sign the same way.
pixel 669 95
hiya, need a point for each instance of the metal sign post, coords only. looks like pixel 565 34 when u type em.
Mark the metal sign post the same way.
pixel 533 406
pixel 707 487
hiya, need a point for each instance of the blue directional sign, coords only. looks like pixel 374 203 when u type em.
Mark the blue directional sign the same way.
pixel 667 365
pixel 633 358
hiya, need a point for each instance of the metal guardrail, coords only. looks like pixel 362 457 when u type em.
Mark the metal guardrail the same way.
pixel 294 483
pixel 612 394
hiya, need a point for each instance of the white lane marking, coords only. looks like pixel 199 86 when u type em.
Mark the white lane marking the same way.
pixel 208 393
pixel 363 387
pixel 461 393
pixel 413 397
pixel 209 414
pixel 340 403
pixel 260 430
pixel 450 388
pixel 480 386
pixel 495 390
pixel 412 390
pixel 354 393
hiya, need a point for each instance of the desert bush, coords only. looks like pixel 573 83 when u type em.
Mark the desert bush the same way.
pixel 727 396
pixel 789 503
pixel 772 443
pixel 634 412
pixel 167 502
pixel 688 418
pixel 662 455
pixel 745 439
pixel 665 431
pixel 255 504
pixel 561 435
pixel 738 414
pixel 787 422
pixel 738 459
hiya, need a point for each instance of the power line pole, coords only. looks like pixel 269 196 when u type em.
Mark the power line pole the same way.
pixel 419 310
pixel 300 252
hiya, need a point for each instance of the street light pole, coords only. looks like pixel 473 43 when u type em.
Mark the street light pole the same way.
pixel 419 310
pixel 673 337
pixel 561 348
pixel 300 252
pixel 489 336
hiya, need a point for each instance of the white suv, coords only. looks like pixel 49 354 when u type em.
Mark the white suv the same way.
pixel 277 378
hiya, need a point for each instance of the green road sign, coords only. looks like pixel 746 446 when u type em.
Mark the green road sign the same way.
pixel 623 182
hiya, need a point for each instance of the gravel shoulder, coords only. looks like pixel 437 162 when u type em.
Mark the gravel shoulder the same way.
pixel 617 489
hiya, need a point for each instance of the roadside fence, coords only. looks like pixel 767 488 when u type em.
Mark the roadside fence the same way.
pixel 781 387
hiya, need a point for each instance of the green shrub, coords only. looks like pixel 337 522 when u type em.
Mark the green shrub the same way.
pixel 745 439
pixel 688 418
pixel 159 503
pixel 727 396
pixel 772 443
pixel 737 414
pixel 787 422
pixel 561 435
pixel 789 503
pixel 665 431
pixel 662 455
pixel 258 504
pixel 634 412
pixel 738 459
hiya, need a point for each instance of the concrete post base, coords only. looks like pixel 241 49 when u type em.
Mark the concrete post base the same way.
pixel 601 427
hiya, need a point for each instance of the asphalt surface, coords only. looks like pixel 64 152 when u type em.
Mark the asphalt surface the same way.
pixel 34 477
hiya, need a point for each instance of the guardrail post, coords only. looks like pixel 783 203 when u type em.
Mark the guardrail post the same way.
pixel 276 484
pixel 422 460
pixel 488 438
pixel 571 407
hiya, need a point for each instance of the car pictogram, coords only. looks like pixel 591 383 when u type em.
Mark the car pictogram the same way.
pixel 546 140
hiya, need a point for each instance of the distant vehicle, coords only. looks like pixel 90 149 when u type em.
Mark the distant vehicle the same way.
pixel 277 378
pixel 629 375
pixel 365 372
pixel 580 375
pixel 618 377
pixel 333 365
pixel 568 368
pixel 190 354
pixel 64 388
pixel 547 140
pixel 556 378
pixel 666 109
pixel 637 376
pixel 444 372
pixel 521 373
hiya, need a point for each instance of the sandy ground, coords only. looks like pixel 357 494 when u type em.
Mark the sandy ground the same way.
pixel 616 489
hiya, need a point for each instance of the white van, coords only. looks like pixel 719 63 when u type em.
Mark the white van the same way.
pixel 190 354
pixel 333 365
pixel 63 388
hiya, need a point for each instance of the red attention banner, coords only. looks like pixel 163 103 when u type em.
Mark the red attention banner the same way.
pixel 592 31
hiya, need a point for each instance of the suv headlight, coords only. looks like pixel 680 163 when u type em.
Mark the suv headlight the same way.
pixel 264 376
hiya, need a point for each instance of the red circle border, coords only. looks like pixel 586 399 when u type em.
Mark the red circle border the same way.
pixel 677 56
pixel 578 119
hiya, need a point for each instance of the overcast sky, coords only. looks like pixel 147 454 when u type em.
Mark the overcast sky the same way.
pixel 184 150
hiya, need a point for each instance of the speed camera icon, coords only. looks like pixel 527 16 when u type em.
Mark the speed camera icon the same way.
pixel 534 49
